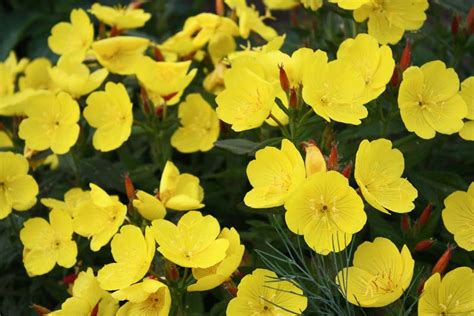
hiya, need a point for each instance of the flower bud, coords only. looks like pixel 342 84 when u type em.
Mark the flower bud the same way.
pixel 314 159
pixel 284 82
pixel 220 10
pixel 293 98
pixel 136 4
pixel 421 286
pixel 129 188
pixel 424 245
pixel 405 223
pixel 159 110
pixel 455 25
pixel 40 310
pixel 333 158
pixel 346 172
pixel 425 215
pixel 230 288
pixel 172 272
pixel 406 57
pixel 470 21
pixel 145 100
pixel 70 278
pixel 115 31
pixel 395 80
pixel 443 261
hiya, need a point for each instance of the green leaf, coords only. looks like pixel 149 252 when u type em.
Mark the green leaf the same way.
pixel 241 146
pixel 13 29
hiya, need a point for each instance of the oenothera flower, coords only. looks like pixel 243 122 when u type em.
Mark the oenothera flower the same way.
pixel 193 243
pixel 72 198
pixel 217 274
pixel 150 296
pixel 314 160
pixel 452 295
pixel 379 274
pixel 248 99
pixel 110 112
pixel 429 101
pixel 98 217
pixel 87 298
pixel 200 125
pixel 389 19
pixel 74 37
pixel 334 90
pixel 37 76
pixel 467 93
pixel 72 76
pixel 326 210
pixel 18 190
pixel 149 206
pixel 350 4
pixel 458 217
pixel 122 18
pixel 375 64
pixel 280 4
pixel 120 54
pixel 132 253
pixel 51 123
pixel 164 81
pixel 251 21
pixel 378 171
pixel 262 293
pixel 48 243
pixel 274 175
pixel 5 140
pixel 180 191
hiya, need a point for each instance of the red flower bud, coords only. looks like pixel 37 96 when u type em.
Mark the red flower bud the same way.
pixel 443 261
pixel 136 4
pixel 425 215
pixel 405 223
pixel 70 278
pixel 293 98
pixel 129 187
pixel 115 31
pixel 424 245
pixel 470 21
pixel 40 310
pixel 455 25
pixel 284 81
pixel 220 10
pixel 395 80
pixel 172 272
pixel 158 55
pixel 346 172
pixel 333 158
pixel 145 100
pixel 159 111
pixel 95 310
pixel 406 56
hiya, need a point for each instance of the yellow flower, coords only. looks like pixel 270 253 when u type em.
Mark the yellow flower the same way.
pixel 378 171
pixel 5 140
pixel 314 160
pixel 72 198
pixel 350 4
pixel 193 243
pixel 98 217
pixel 87 296
pixel 120 54
pixel 133 253
pixel 18 190
pixel 274 175
pixel 429 101
pixel 281 4
pixel 149 296
pixel 248 99
pixel 389 19
pixel 9 70
pixel 312 4
pixel 250 20
pixel 334 90
pixel 149 206
pixel 52 122
pixel 110 112
pixel 74 37
pixel 467 93
pixel 200 126
pixel 164 81
pixel 48 243
pixel 180 191
pixel 262 293
pixel 214 81
pixel 37 76
pixel 375 64
pixel 326 210
pixel 453 295
pixel 121 17
pixel 379 275
pixel 458 217
pixel 217 274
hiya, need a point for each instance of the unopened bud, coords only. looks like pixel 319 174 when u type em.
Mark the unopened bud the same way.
pixel 70 278
pixel 230 288
pixel 314 159
pixel 470 21
pixel 159 110
pixel 424 245
pixel 40 310
pixel 136 4
pixel 406 57
pixel 443 261
pixel 145 100
pixel 220 10
pixel 395 80
pixel 455 25
pixel 405 223
pixel 172 272
pixel 346 172
pixel 129 188
pixel 284 82
pixel 115 31
pixel 425 215
pixel 333 158
pixel 293 98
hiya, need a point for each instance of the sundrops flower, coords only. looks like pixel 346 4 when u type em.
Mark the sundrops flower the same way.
pixel 262 293
pixel 250 20
pixel 9 100
pixel 52 122
pixel 314 160
pixel 374 63
pixel 334 90
pixel 350 4
pixel 389 19
pixel 467 93
pixel 378 171
pixel 452 295
pixel 72 76
pixel 98 217
pixel 5 140
pixel 274 175
pixel 458 217
pixel 429 101
pixel 110 112
pixel 164 81
pixel 120 54
pixel 123 18
pixel 74 37
pixel 37 76
pixel 149 206
pixel 281 4
pixel 180 191
pixel 200 126
pixel 87 297
pixel 150 296
pixel 72 199
pixel 133 253
pixel 217 274
pixel 18 190
pixel 193 243
pixel 379 275
pixel 326 210
pixel 48 243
